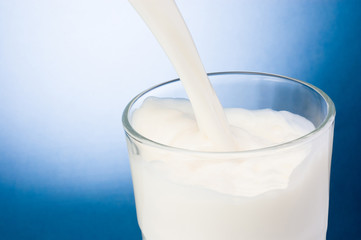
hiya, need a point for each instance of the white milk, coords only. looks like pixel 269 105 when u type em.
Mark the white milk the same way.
pixel 281 195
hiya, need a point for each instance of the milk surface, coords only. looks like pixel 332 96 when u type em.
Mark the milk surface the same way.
pixel 172 123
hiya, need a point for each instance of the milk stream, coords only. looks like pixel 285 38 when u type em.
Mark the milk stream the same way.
pixel 165 21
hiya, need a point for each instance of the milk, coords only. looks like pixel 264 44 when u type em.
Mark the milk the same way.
pixel 186 194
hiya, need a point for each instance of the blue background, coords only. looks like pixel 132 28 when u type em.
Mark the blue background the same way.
pixel 68 68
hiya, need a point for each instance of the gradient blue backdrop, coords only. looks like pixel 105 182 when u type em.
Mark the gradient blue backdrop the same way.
pixel 68 68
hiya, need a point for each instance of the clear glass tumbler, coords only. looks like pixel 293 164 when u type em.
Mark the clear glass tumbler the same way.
pixel 172 206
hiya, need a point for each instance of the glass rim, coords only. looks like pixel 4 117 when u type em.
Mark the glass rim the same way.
pixel 328 120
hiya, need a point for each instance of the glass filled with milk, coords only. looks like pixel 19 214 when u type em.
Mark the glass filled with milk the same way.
pixel 273 183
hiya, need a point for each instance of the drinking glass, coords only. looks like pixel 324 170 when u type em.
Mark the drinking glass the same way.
pixel 174 201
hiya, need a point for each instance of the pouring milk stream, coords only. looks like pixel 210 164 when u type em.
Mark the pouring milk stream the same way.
pixel 166 23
